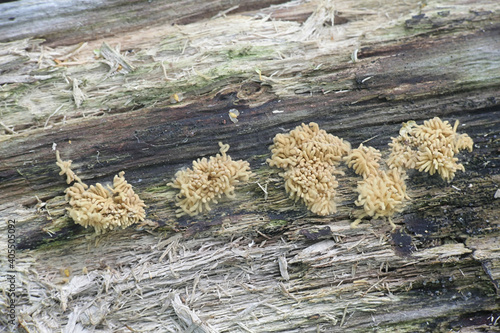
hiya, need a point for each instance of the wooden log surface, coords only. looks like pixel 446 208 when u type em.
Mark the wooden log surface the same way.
pixel 259 263
pixel 69 22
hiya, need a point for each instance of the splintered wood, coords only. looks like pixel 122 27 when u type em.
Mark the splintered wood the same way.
pixel 152 100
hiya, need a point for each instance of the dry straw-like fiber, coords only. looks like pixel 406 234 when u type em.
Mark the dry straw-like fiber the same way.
pixel 207 181
pixel 309 156
pixel 100 207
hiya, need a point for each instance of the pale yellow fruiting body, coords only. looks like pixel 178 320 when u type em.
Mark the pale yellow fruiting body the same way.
pixel 380 193
pixel 430 147
pixel 207 181
pixel 364 160
pixel 66 169
pixel 309 156
pixel 99 207
pixel 314 183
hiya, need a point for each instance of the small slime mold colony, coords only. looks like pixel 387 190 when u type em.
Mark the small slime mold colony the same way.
pixel 207 181
pixel 100 207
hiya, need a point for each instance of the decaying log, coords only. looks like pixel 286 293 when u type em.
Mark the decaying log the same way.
pixel 69 22
pixel 260 262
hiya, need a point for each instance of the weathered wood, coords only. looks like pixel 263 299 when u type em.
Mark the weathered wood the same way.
pixel 69 22
pixel 438 272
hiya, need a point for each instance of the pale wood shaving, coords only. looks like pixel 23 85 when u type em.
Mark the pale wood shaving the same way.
pixel 118 62
pixel 78 95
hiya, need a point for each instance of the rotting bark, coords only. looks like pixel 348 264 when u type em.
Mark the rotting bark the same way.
pixel 69 22
pixel 225 271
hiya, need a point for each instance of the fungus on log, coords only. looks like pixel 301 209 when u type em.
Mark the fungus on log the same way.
pixel 151 95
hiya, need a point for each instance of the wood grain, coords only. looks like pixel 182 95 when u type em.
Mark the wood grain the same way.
pixel 260 262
